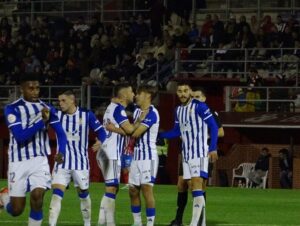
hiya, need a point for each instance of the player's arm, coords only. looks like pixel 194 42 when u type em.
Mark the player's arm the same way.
pixel 13 121
pixel 175 132
pixel 60 135
pixel 112 128
pixel 221 132
pixel 95 125
pixel 121 118
pixel 144 123
pixel 206 115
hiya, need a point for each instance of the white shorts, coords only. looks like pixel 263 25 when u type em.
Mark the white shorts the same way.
pixel 64 176
pixel 110 168
pixel 27 175
pixel 197 167
pixel 143 172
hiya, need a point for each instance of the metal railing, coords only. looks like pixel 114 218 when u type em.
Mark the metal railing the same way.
pixel 71 9
pixel 48 94
pixel 259 8
pixel 237 62
pixel 162 73
pixel 264 99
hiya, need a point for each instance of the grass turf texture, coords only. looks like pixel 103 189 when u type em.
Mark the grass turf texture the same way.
pixel 225 206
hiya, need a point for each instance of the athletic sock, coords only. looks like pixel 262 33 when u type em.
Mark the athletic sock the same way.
pixel 107 210
pixel 182 198
pixel 137 216
pixel 198 204
pixel 55 206
pixel 86 208
pixel 150 213
pixel 35 218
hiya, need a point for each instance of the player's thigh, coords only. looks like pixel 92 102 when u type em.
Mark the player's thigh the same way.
pixel 61 178
pixel 112 173
pixel 40 174
pixel 134 174
pixel 204 162
pixel 147 191
pixel 81 179
pixel 148 171
pixel 197 183
pixel 182 184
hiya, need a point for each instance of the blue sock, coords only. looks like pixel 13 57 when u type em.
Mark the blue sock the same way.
pixel 136 209
pixel 83 195
pixel 150 212
pixel 110 195
pixel 58 192
pixel 36 215
pixel 9 208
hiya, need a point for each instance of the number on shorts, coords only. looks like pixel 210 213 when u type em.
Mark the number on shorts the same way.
pixel 12 176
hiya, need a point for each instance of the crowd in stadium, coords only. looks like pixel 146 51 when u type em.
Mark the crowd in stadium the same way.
pixel 66 51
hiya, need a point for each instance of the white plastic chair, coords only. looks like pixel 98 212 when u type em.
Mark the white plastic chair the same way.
pixel 246 167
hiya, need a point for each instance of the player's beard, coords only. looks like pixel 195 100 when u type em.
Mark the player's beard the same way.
pixel 185 100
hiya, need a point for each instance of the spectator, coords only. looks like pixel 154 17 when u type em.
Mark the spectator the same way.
pixel 261 167
pixel 286 169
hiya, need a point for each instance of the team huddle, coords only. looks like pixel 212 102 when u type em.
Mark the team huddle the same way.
pixel 28 119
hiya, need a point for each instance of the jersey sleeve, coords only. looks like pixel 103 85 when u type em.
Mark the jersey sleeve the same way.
pixel 13 120
pixel 175 132
pixel 204 112
pixel 95 125
pixel 12 117
pixel 217 119
pixel 53 115
pixel 120 115
pixel 150 119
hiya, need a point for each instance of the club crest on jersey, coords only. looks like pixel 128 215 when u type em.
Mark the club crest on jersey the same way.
pixel 11 118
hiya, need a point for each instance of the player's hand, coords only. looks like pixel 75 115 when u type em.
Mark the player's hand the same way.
pixel 96 146
pixel 213 156
pixel 45 114
pixel 59 158
pixel 110 127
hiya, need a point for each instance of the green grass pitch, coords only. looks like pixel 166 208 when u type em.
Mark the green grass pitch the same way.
pixel 225 206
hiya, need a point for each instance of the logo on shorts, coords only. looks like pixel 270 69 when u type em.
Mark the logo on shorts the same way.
pixel 195 172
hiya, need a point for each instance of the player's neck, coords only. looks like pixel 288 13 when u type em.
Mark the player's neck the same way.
pixel 72 110
pixel 186 103
pixel 122 102
pixel 145 106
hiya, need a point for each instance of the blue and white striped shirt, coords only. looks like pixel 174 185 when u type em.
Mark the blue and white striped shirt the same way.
pixel 114 143
pixel 76 127
pixel 31 139
pixel 194 132
pixel 145 145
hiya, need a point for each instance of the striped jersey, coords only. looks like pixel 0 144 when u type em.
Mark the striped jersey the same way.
pixel 145 145
pixel 76 127
pixel 114 143
pixel 28 115
pixel 193 129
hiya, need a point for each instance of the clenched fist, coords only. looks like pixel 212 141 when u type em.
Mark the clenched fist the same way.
pixel 45 114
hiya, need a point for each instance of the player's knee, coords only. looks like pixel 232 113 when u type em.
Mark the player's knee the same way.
pixel 182 185
pixel 133 191
pixel 36 200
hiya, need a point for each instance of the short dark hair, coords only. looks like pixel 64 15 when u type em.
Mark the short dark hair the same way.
pixel 68 92
pixel 203 91
pixel 29 77
pixel 184 83
pixel 152 90
pixel 119 87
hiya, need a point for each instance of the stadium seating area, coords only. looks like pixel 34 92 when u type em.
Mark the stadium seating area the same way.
pixel 72 52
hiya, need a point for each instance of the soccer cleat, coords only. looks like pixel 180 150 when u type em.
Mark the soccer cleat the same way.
pixel 2 192
pixel 175 223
